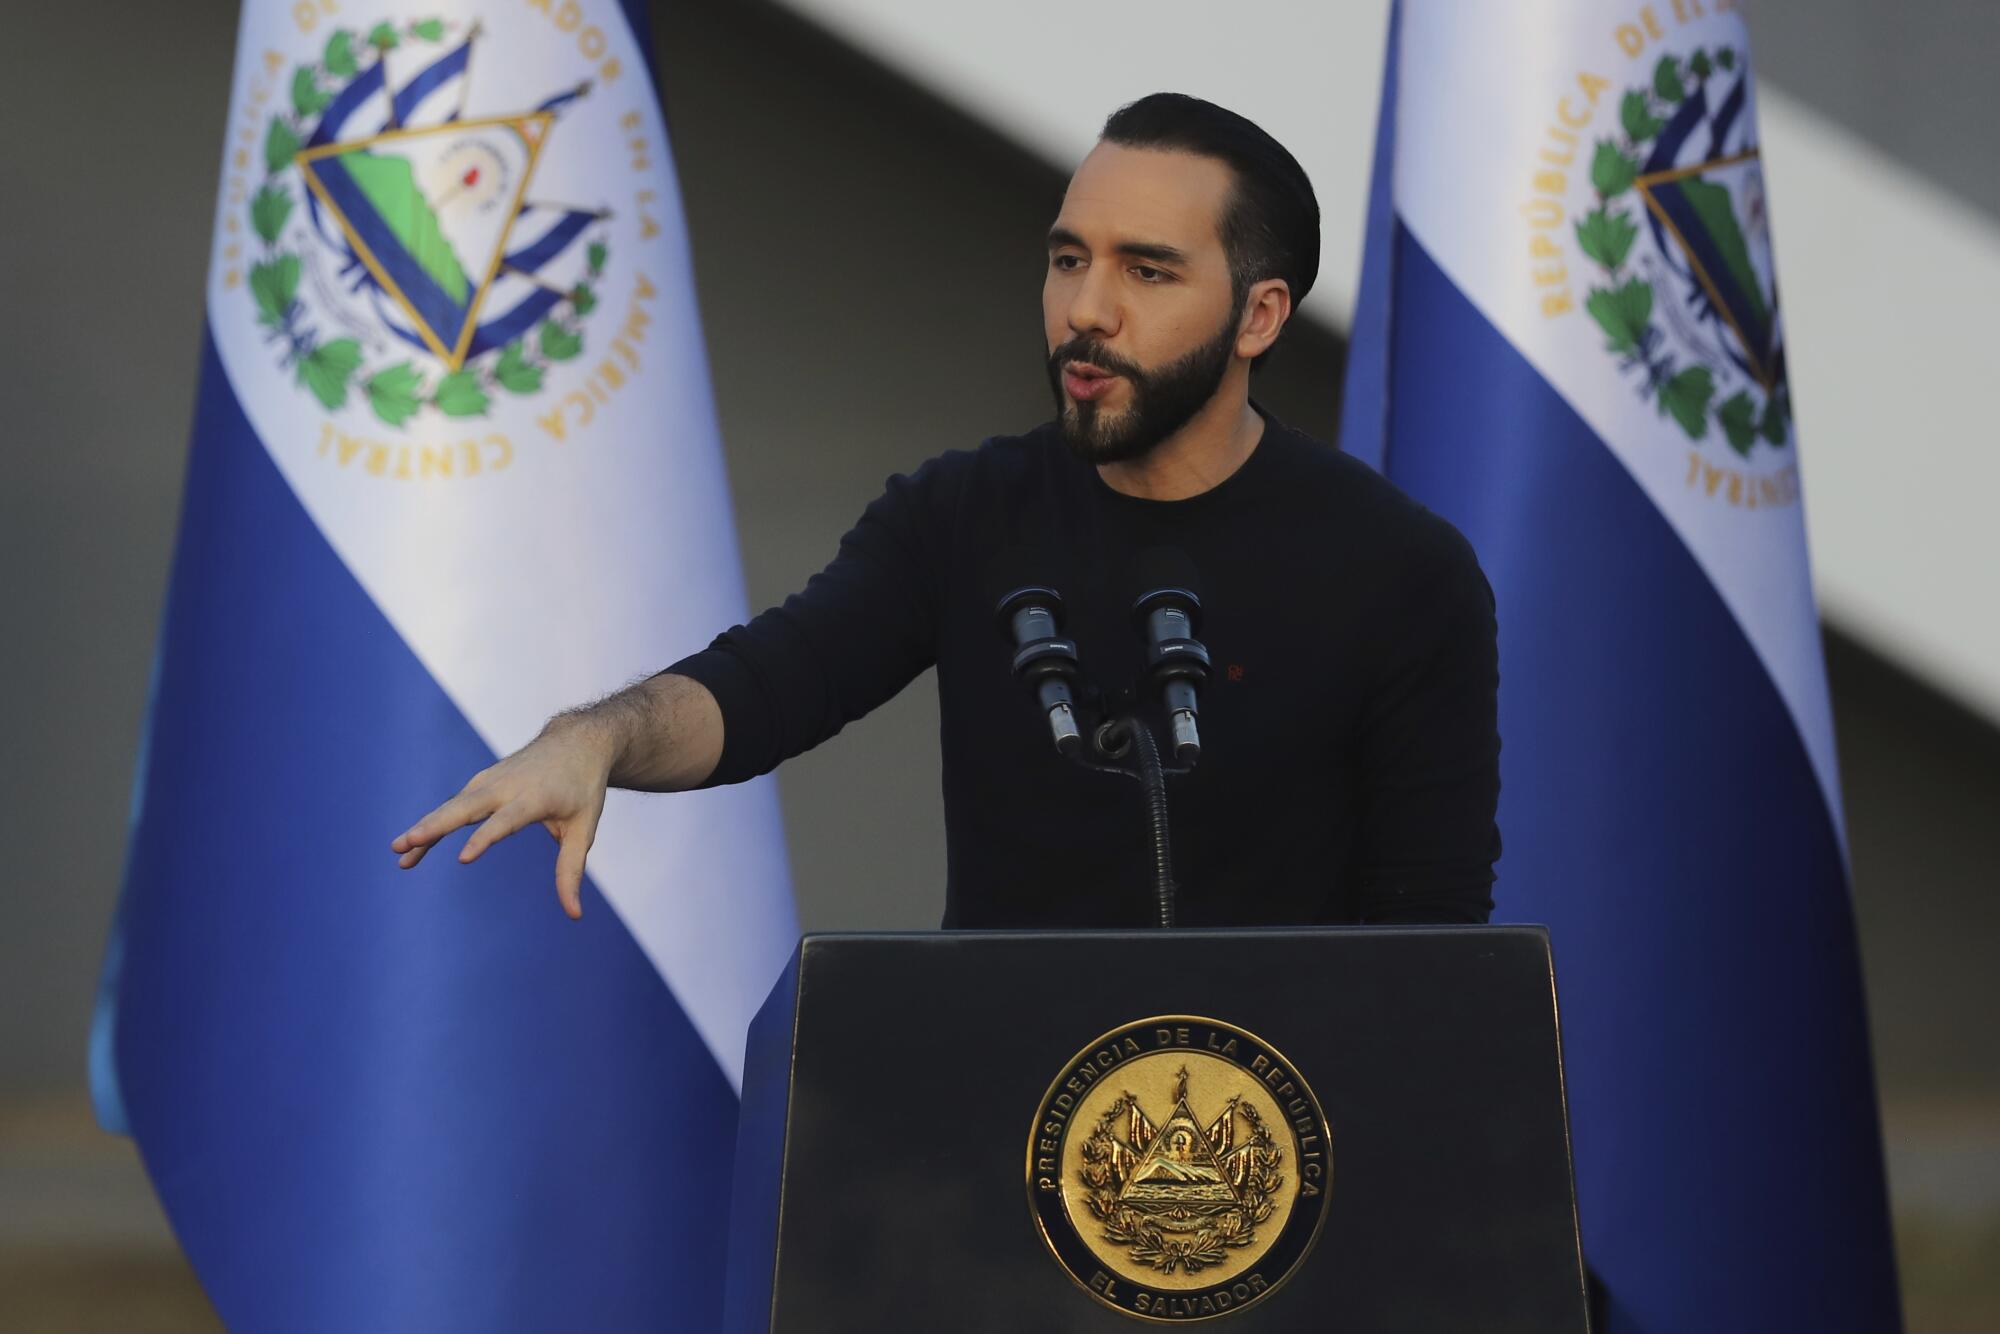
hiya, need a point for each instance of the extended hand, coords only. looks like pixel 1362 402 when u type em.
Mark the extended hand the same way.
pixel 558 780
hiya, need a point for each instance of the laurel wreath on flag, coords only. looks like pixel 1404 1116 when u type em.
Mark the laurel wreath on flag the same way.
pixel 1624 308
pixel 330 368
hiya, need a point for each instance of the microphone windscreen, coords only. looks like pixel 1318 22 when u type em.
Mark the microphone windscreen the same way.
pixel 1017 570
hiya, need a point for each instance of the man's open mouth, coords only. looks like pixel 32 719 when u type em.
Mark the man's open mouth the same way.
pixel 1085 381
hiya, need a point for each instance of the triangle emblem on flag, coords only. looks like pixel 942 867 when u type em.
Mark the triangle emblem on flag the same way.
pixel 428 212
pixel 1714 214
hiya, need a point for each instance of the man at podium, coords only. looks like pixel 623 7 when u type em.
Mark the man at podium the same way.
pixel 1351 765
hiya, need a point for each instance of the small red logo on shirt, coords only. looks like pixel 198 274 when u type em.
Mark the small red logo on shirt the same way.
pixel 1236 671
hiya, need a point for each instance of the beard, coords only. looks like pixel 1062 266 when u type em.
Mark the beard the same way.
pixel 1163 400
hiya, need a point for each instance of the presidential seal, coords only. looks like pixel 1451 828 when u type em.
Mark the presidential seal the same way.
pixel 1178 1168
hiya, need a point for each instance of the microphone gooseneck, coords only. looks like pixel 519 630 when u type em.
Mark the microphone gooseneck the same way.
pixel 1129 735
pixel 1153 783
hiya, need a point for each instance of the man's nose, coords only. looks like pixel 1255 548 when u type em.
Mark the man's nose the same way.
pixel 1093 308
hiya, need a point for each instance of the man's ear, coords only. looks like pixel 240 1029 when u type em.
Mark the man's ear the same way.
pixel 1266 309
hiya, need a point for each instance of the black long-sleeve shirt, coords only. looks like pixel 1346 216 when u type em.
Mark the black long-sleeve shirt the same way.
pixel 1350 762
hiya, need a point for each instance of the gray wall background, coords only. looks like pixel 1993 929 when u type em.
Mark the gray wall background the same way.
pixel 1914 79
pixel 807 174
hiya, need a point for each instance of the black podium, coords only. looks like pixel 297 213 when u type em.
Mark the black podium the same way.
pixel 1355 1129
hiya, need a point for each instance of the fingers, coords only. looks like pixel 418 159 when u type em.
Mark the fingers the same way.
pixel 502 823
pixel 509 796
pixel 473 803
pixel 576 841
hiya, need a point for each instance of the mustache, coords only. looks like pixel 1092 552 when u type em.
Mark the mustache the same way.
pixel 1098 355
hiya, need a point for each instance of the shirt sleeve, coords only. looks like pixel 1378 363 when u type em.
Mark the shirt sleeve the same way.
pixel 1429 756
pixel 859 631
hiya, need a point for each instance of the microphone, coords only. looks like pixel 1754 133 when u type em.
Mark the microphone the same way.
pixel 1030 615
pixel 1168 614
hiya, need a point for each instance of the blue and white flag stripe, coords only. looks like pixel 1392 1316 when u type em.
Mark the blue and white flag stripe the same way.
pixel 424 1101
pixel 1670 802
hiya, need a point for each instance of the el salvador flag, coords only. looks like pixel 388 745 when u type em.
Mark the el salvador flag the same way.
pixel 1568 343
pixel 454 466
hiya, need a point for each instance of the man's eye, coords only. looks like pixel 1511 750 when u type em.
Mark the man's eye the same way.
pixel 1148 274
pixel 1066 263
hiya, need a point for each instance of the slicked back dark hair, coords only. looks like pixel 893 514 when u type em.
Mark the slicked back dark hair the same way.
pixel 1270 226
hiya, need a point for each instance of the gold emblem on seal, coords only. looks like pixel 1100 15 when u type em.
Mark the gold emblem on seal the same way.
pixel 1178 1168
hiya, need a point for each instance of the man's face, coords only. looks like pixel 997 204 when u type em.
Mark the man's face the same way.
pixel 1137 306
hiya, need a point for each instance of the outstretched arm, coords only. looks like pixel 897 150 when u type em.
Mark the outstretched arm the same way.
pixel 860 631
pixel 663 734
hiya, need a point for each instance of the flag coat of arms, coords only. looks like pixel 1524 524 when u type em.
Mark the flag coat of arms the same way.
pixel 454 467
pixel 1569 342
